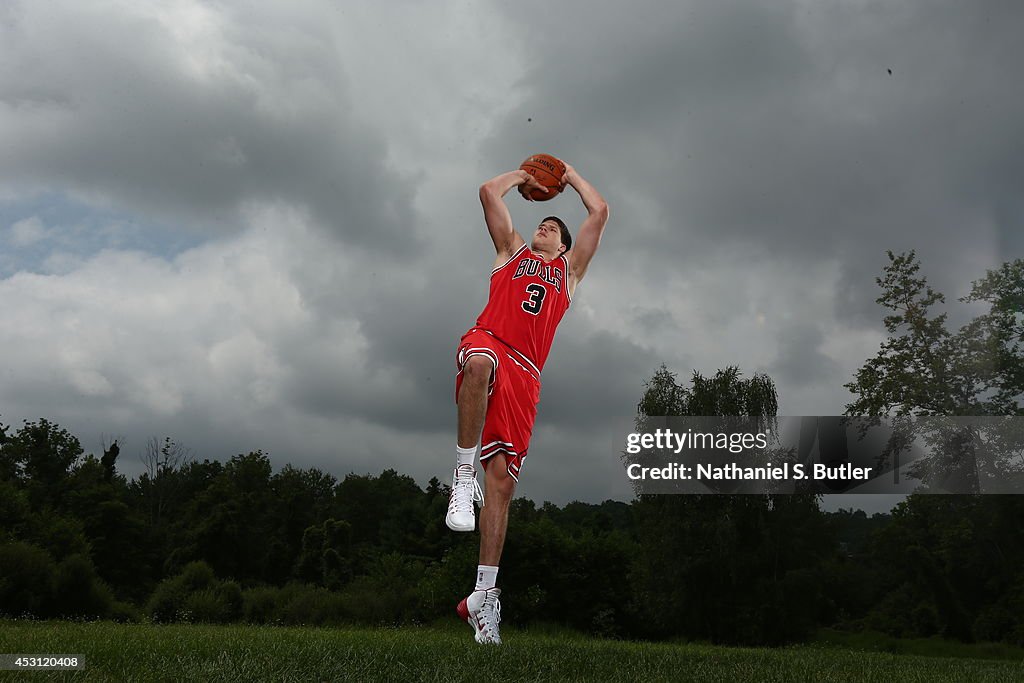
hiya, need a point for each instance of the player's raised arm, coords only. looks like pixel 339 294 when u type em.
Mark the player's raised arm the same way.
pixel 589 236
pixel 499 220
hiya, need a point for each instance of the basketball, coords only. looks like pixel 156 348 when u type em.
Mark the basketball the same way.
pixel 548 171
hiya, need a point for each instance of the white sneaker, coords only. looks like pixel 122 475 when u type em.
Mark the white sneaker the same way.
pixel 482 611
pixel 465 491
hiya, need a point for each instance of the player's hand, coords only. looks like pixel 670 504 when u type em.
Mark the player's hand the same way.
pixel 567 176
pixel 529 185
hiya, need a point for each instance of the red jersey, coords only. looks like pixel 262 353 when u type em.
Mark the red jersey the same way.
pixel 527 300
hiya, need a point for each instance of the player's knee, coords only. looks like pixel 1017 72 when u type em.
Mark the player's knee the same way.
pixel 501 484
pixel 506 487
pixel 477 370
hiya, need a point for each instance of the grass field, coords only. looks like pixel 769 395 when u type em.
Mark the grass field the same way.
pixel 242 653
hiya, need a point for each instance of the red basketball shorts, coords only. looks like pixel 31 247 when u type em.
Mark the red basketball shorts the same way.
pixel 512 398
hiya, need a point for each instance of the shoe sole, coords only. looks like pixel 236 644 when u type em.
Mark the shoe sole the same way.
pixel 455 527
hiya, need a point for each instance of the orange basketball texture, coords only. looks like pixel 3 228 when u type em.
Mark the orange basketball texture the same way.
pixel 548 171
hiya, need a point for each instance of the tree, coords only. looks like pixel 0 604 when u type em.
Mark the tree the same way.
pixel 301 499
pixel 119 544
pixel 387 514
pixel 924 369
pixel 160 485
pixel 915 370
pixel 734 568
pixel 994 342
pixel 663 395
pixel 941 567
pixel 326 555
pixel 40 456
pixel 229 524
pixel 726 393
pixel 8 465
pixel 109 459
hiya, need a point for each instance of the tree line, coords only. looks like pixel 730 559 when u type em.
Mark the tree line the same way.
pixel 235 541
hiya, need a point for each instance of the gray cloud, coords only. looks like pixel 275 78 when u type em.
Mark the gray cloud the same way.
pixel 190 112
pixel 782 128
pixel 800 357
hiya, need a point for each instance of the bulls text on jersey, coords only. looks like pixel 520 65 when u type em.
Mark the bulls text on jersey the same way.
pixel 550 274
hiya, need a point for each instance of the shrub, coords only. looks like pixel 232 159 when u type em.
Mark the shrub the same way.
pixel 260 605
pixel 195 595
pixel 197 576
pixel 124 612
pixel 79 591
pixel 312 606
pixel 167 602
pixel 390 595
pixel 208 606
pixel 27 580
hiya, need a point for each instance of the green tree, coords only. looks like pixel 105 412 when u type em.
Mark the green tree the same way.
pixel 164 497
pixel 726 568
pixel 994 341
pixel 301 499
pixel 228 524
pixel 120 547
pixel 8 466
pixel 27 580
pixel 162 485
pixel 387 514
pixel 40 456
pixel 949 564
pixel 326 555
pixel 924 369
pixel 663 395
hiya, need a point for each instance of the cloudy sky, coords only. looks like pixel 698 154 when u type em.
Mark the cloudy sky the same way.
pixel 256 226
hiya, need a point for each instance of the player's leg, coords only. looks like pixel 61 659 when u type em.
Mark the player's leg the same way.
pixel 482 609
pixel 475 380
pixel 508 424
pixel 472 400
pixel 499 486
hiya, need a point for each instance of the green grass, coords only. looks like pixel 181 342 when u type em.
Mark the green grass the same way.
pixel 927 647
pixel 242 653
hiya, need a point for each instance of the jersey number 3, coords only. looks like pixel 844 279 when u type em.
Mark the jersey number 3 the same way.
pixel 535 300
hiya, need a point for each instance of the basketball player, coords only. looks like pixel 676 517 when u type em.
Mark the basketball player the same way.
pixel 500 360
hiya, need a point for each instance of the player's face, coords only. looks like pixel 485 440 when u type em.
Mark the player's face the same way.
pixel 548 236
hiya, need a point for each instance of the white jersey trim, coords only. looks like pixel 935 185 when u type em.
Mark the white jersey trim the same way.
pixel 514 257
pixel 514 473
pixel 466 354
pixel 523 367
pixel 566 261
pixel 517 351
pixel 494 450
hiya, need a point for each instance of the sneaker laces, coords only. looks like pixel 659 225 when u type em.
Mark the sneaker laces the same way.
pixel 465 490
pixel 490 615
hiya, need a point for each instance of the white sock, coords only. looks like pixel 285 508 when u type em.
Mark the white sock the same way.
pixel 486 577
pixel 465 456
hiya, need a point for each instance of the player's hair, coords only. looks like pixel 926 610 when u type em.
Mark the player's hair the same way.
pixel 566 236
